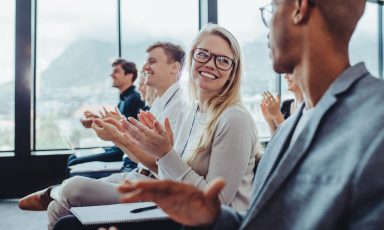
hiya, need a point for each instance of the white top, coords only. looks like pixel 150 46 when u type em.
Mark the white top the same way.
pixel 200 123
pixel 168 105
pixel 231 154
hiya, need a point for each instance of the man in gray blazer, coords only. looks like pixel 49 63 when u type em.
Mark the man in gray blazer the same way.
pixel 324 168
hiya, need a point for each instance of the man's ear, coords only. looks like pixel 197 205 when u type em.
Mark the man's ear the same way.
pixel 129 76
pixel 301 11
pixel 175 67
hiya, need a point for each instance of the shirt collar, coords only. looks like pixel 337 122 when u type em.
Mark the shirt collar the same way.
pixel 168 94
pixel 127 92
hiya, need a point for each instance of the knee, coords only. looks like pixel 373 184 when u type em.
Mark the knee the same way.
pixel 55 212
pixel 73 189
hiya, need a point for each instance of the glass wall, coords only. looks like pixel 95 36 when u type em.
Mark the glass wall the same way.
pixel 7 79
pixel 364 44
pixel 365 41
pixel 76 42
pixel 248 28
pixel 146 21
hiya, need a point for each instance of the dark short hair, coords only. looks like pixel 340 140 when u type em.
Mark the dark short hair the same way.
pixel 173 52
pixel 128 67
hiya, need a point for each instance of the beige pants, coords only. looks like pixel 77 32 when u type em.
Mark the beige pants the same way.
pixel 83 191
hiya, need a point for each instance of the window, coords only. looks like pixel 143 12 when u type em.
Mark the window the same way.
pixel 76 43
pixel 143 24
pixel 248 28
pixel 7 79
pixel 365 44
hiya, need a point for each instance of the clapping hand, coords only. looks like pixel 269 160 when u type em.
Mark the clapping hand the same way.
pixel 116 115
pixel 149 135
pixel 88 120
pixel 108 129
pixel 271 103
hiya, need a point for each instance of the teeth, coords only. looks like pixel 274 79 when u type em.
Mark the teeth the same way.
pixel 208 75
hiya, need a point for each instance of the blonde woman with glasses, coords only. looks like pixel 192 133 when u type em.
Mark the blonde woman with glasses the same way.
pixel 216 136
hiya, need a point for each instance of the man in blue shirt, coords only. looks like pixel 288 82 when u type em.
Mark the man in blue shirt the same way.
pixel 123 76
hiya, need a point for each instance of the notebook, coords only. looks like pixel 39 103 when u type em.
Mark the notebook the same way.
pixel 118 213
pixel 97 166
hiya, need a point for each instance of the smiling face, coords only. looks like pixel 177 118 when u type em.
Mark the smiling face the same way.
pixel 159 70
pixel 209 79
pixel 120 80
pixel 291 84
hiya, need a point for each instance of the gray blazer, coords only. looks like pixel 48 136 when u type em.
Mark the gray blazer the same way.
pixel 332 177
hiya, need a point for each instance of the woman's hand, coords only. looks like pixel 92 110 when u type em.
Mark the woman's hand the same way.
pixel 264 111
pixel 272 104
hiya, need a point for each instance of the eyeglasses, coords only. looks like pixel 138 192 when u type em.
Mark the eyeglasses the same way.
pixel 268 10
pixel 203 56
pixel 266 14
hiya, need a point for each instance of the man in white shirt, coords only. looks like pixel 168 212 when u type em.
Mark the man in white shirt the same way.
pixel 163 67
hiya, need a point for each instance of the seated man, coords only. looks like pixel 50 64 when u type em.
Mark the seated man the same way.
pixel 123 76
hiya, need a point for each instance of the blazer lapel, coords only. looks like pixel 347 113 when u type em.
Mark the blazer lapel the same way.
pixel 290 159
pixel 273 151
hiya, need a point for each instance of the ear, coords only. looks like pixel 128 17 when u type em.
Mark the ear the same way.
pixel 129 76
pixel 175 67
pixel 301 11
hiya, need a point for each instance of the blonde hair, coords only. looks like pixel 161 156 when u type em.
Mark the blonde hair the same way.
pixel 150 92
pixel 230 95
pixel 150 95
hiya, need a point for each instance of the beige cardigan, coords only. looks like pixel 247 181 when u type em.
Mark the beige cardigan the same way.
pixel 231 155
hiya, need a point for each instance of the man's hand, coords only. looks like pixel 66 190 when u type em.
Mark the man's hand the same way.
pixel 89 114
pixel 116 115
pixel 87 122
pixel 107 130
pixel 184 203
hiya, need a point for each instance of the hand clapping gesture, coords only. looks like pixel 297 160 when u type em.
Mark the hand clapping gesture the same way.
pixel 116 115
pixel 271 103
pixel 270 109
pixel 108 129
pixel 149 135
pixel 88 120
